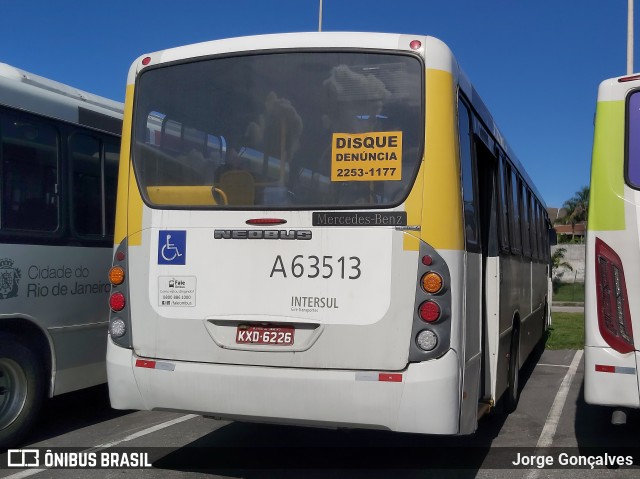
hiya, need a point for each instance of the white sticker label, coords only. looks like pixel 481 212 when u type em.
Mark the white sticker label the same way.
pixel 177 291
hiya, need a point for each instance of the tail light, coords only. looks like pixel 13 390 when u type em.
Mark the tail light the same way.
pixel 117 301
pixel 432 282
pixel 430 311
pixel 120 317
pixel 431 330
pixel 117 328
pixel 614 318
pixel 427 340
pixel 116 275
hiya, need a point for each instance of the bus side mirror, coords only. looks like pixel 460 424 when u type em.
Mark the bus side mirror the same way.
pixel 553 237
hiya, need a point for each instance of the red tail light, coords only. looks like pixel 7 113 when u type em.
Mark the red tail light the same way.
pixel 614 318
pixel 429 311
pixel 629 78
pixel 117 301
pixel 266 221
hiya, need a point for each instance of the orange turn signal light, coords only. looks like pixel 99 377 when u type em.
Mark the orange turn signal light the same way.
pixel 116 275
pixel 432 282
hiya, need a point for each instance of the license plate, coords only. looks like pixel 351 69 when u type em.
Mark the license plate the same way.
pixel 273 335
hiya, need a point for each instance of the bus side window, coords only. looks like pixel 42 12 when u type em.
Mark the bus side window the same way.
pixel 111 163
pixel 533 218
pixel 86 185
pixel 632 164
pixel 30 174
pixel 514 212
pixel 525 220
pixel 468 180
pixel 542 233
pixel 504 209
pixel 94 165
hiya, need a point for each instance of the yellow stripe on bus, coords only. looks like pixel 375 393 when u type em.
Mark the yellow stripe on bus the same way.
pixel 129 203
pixel 606 208
pixel 441 211
pixel 413 207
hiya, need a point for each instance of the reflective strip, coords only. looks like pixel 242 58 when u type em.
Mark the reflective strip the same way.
pixel 378 377
pixel 145 363
pixel 602 368
pixel 166 366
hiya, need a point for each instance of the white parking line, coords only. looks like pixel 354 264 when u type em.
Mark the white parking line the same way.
pixel 553 418
pixel 144 432
pixel 550 426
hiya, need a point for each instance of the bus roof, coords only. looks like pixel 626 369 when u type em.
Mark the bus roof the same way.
pixel 26 91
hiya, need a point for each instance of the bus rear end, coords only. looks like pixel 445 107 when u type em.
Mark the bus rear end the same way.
pixel 611 308
pixel 273 261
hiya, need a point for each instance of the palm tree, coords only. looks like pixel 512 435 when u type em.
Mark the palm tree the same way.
pixel 577 208
pixel 558 265
pixel 557 260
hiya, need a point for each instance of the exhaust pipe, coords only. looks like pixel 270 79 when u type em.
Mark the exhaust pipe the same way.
pixel 619 417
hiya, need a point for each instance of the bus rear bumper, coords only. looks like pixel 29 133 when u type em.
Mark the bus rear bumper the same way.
pixel 425 400
pixel 611 378
pixel 123 389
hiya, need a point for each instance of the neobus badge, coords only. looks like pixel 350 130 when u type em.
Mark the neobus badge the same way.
pixel 263 234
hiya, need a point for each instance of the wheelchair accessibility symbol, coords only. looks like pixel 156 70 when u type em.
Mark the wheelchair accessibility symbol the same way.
pixel 172 247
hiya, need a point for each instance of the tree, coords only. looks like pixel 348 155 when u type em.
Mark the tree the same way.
pixel 577 208
pixel 557 260
pixel 558 267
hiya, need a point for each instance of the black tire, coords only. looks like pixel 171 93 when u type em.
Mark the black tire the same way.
pixel 512 394
pixel 21 390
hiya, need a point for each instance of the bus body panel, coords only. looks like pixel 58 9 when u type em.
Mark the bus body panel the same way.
pixel 330 398
pixel 534 321
pixel 611 377
pixel 510 306
pixel 57 288
pixel 617 388
pixel 339 329
pixel 624 245
pixel 340 305
pixel 81 360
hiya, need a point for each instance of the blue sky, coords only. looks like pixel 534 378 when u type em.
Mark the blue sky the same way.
pixel 537 64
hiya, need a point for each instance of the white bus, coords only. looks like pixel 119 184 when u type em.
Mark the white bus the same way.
pixel 59 150
pixel 612 255
pixel 325 229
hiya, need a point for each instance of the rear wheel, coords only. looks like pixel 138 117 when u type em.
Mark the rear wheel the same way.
pixel 21 390
pixel 512 395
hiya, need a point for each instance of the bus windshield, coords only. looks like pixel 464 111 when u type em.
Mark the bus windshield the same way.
pixel 298 130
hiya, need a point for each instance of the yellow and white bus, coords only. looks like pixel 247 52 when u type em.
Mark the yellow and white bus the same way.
pixel 59 149
pixel 321 228
pixel 612 254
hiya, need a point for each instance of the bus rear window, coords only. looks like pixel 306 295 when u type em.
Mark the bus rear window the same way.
pixel 280 131
pixel 633 140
